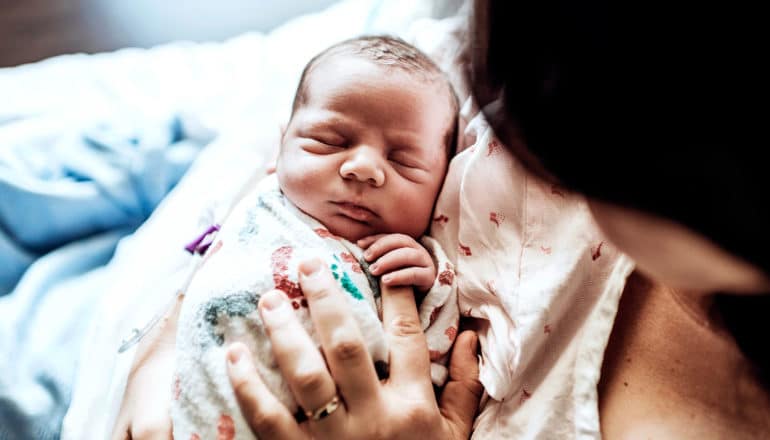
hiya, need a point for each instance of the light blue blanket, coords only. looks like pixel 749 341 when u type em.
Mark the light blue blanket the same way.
pixel 67 197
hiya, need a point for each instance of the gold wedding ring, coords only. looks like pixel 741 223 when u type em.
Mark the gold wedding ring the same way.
pixel 325 410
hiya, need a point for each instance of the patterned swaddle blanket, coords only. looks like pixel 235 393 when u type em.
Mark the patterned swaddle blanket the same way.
pixel 258 249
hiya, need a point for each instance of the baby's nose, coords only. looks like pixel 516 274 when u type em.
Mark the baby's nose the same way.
pixel 363 166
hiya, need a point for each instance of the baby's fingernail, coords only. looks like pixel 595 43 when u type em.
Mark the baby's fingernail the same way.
pixel 309 268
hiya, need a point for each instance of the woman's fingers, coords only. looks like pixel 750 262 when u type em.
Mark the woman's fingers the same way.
pixel 460 398
pixel 267 417
pixel 409 358
pixel 298 358
pixel 348 358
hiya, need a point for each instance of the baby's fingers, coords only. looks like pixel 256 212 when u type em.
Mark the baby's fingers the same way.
pixel 367 241
pixel 399 259
pixel 388 242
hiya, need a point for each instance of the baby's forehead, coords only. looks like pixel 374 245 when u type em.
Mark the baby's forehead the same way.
pixel 331 66
pixel 426 76
pixel 326 64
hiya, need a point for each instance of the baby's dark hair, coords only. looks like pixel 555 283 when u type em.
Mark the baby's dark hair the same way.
pixel 390 52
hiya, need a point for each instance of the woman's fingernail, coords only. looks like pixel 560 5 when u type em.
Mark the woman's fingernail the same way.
pixel 235 353
pixel 367 255
pixel 373 268
pixel 309 268
pixel 272 301
pixel 387 278
pixel 237 358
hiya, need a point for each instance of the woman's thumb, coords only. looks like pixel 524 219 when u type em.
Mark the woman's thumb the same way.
pixel 460 399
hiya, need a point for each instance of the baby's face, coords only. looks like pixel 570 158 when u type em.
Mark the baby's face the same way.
pixel 365 153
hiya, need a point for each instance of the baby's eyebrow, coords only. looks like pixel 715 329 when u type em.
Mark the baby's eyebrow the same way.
pixel 328 121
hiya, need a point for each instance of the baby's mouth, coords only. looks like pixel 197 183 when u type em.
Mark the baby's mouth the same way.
pixel 356 212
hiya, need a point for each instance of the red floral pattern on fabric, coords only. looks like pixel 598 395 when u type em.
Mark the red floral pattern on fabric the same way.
pixel 451 333
pixel 225 428
pixel 493 147
pixel 441 219
pixel 546 249
pixel 349 258
pixel 465 250
pixel 280 265
pixel 446 278
pixel 525 395
pixel 434 355
pixel 496 218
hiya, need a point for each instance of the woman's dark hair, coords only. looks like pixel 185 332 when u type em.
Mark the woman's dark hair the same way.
pixel 655 108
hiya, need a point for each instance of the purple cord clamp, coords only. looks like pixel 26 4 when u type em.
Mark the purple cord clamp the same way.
pixel 201 244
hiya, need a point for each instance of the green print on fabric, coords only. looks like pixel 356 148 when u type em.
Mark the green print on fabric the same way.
pixel 223 309
pixel 346 282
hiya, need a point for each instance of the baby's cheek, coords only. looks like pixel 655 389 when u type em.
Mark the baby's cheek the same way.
pixel 418 219
pixel 300 177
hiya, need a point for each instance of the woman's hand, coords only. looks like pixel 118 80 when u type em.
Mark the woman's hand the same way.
pixel 403 406
pixel 145 410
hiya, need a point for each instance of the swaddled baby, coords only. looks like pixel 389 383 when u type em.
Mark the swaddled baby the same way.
pixel 360 166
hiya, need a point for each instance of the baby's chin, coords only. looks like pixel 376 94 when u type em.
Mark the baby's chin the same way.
pixel 349 229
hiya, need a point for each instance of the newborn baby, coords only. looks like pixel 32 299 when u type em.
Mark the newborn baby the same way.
pixel 360 166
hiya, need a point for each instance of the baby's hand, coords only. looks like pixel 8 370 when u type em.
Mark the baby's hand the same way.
pixel 400 260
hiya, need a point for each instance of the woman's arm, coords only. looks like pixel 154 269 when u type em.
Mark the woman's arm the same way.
pixel 145 410
pixel 403 406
